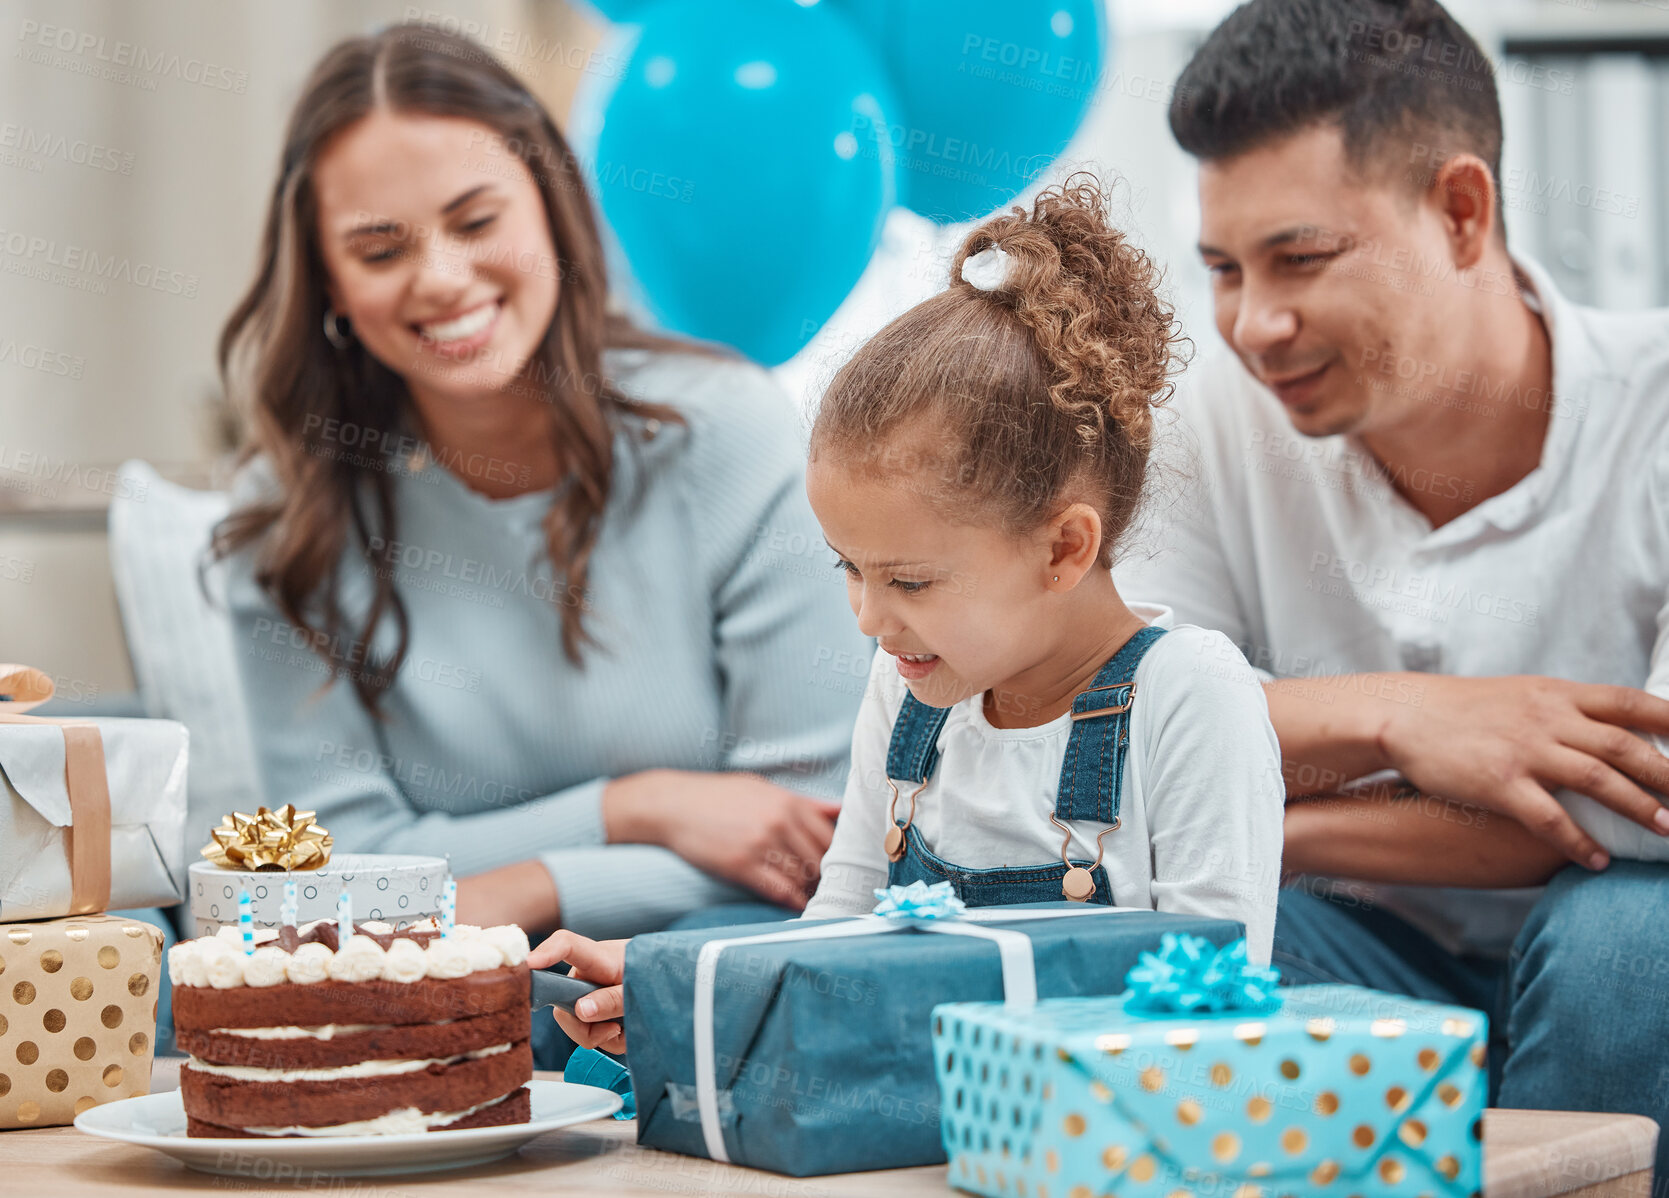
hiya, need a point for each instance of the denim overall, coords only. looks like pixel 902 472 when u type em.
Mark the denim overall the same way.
pixel 1091 784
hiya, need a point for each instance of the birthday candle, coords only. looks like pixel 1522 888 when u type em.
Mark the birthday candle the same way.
pixel 287 914
pixel 246 919
pixel 448 907
pixel 344 917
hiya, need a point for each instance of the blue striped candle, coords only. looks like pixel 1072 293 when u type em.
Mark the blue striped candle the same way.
pixel 246 918
pixel 344 916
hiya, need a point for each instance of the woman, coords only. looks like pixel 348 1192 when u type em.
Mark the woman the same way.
pixel 513 581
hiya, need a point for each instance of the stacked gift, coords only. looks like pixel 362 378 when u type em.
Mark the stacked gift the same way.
pixel 119 784
pixel 1203 1078
pixel 92 816
pixel 264 853
pixel 805 1047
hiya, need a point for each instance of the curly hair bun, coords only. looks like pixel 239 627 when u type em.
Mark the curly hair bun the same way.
pixel 1090 299
pixel 1032 378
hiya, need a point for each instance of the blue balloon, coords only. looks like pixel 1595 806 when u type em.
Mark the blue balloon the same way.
pixel 735 165
pixel 619 12
pixel 990 92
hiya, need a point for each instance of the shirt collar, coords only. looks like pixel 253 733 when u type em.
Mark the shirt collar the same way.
pixel 1577 367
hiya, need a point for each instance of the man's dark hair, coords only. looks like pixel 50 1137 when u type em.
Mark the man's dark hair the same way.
pixel 1406 85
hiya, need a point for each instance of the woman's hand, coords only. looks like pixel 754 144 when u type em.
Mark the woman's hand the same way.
pixel 522 894
pixel 596 1022
pixel 736 826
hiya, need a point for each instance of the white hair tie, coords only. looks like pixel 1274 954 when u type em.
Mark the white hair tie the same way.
pixel 988 270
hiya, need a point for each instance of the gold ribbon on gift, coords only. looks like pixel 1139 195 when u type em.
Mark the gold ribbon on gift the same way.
pixel 285 839
pixel 88 836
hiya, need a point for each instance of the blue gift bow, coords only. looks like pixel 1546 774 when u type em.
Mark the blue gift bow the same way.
pixel 919 901
pixel 588 1067
pixel 1191 976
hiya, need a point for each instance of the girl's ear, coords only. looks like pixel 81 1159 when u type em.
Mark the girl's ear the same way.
pixel 1074 546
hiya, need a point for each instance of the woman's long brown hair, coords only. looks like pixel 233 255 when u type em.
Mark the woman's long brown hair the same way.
pixel 278 366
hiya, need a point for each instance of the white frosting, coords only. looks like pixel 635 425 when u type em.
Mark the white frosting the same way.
pixel 223 965
pixel 266 966
pixel 377 926
pixel 390 1068
pixel 510 941
pixel 359 960
pixel 405 1121
pixel 482 955
pixel 324 1031
pixel 308 964
pixel 185 965
pixel 447 958
pixel 232 935
pixel 405 962
pixel 219 960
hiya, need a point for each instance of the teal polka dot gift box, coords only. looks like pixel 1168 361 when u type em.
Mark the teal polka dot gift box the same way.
pixel 1205 1079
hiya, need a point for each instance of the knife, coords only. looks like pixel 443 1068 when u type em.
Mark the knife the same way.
pixel 559 990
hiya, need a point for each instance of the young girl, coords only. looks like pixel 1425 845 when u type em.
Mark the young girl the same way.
pixel 1025 735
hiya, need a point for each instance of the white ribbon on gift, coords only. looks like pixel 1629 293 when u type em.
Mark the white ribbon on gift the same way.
pixel 1014 950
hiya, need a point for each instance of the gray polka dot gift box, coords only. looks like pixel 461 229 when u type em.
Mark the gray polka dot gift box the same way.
pixel 397 890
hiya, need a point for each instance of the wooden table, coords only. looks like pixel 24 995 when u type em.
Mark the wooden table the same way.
pixel 1527 1154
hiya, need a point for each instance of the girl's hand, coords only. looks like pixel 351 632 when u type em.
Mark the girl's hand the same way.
pixel 596 1022
pixel 737 826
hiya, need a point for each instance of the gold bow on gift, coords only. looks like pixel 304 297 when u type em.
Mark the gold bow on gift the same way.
pixel 285 839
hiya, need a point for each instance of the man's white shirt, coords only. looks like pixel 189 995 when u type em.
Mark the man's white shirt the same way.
pixel 1305 554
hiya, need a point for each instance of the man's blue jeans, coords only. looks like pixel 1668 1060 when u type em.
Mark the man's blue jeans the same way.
pixel 1578 1012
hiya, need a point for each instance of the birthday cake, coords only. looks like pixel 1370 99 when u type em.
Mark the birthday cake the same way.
pixel 295 1033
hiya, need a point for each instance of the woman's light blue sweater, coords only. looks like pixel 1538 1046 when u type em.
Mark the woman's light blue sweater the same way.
pixel 725 643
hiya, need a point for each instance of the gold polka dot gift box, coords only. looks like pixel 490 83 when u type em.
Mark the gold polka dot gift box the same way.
pixel 1204 1079
pixel 77 1016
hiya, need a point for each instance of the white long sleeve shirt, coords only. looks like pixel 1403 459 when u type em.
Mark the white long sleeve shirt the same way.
pixel 1302 552
pixel 1200 812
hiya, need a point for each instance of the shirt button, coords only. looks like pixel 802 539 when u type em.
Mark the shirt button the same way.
pixel 1422 656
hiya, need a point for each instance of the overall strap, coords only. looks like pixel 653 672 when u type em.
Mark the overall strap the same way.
pixel 914 750
pixel 1092 775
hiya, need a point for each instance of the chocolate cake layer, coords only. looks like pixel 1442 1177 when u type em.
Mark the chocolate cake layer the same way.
pixel 427 1000
pixel 235 1102
pixel 517 1108
pixel 408 1042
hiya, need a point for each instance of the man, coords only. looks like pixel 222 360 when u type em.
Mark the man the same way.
pixel 1430 498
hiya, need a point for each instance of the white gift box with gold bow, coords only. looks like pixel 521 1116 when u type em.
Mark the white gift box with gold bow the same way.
pixel 92 811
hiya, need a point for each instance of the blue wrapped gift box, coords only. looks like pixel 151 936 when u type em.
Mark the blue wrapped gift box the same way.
pixel 1339 1091
pixel 820 1052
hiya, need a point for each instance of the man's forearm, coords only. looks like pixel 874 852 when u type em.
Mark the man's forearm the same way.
pixel 1422 840
pixel 1332 729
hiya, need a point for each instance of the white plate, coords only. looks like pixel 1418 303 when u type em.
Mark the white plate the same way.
pixel 158 1121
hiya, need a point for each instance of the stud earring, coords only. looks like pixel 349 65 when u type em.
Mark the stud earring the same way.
pixel 337 329
pixel 1057 578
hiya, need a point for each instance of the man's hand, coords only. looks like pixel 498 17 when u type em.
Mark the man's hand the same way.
pixel 1505 743
pixel 1384 833
pixel 1501 743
